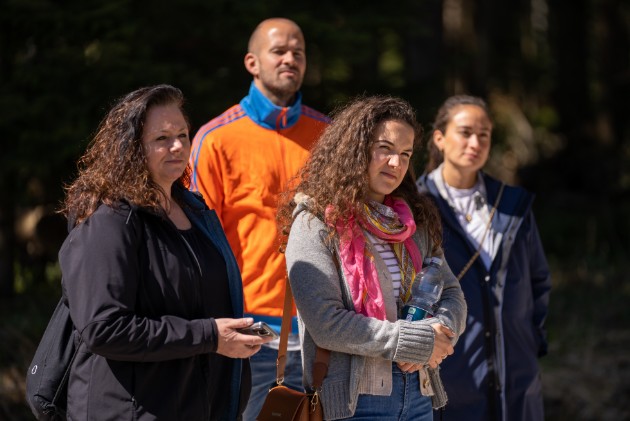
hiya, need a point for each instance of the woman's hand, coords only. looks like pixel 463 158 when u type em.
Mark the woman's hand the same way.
pixel 442 346
pixel 409 367
pixel 237 345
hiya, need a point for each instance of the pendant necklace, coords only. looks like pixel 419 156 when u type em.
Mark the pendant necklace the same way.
pixel 467 215
pixel 463 205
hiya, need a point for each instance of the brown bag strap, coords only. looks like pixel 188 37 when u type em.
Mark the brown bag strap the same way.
pixel 474 256
pixel 322 356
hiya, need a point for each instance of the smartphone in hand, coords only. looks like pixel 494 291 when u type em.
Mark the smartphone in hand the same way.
pixel 259 329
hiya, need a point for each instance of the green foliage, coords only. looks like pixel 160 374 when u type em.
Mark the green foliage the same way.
pixel 63 64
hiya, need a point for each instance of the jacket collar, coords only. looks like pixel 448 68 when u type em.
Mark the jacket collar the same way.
pixel 192 199
pixel 268 115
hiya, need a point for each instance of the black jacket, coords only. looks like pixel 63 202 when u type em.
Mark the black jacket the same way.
pixel 136 299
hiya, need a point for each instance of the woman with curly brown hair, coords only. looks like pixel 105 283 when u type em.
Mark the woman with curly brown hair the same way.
pixel 358 232
pixel 153 289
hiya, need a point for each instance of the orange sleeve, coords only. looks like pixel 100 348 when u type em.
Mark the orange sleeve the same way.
pixel 207 171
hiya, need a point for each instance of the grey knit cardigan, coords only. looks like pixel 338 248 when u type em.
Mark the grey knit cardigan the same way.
pixel 363 348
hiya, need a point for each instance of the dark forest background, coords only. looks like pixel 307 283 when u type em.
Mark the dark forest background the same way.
pixel 556 74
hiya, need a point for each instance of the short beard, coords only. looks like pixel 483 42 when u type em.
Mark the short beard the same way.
pixel 285 93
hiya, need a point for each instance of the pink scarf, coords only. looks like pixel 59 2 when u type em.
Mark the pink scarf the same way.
pixel 396 225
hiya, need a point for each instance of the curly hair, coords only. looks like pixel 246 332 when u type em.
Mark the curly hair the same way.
pixel 442 118
pixel 336 172
pixel 114 166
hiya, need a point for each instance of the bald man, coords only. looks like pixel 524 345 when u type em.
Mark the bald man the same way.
pixel 241 161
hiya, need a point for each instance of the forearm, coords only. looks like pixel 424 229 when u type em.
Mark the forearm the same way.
pixel 134 338
pixel 325 306
pixel 452 307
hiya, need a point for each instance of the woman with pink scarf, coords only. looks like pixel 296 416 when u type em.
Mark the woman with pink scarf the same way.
pixel 357 232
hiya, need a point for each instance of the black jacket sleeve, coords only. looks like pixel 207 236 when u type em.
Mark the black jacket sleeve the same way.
pixel 100 267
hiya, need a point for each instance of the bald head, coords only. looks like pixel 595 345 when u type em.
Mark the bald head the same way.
pixel 259 35
pixel 276 58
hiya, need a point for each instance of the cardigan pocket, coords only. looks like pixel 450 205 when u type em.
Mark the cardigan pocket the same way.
pixel 377 377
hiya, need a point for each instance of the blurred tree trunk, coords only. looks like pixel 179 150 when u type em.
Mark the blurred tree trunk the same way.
pixel 613 56
pixel 424 59
pixel 423 41
pixel 7 237
pixel 459 44
pixel 502 26
pixel 7 176
pixel 569 48
pixel 569 32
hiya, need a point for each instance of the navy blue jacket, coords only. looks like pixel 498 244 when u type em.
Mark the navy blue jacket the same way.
pixel 494 372
pixel 136 299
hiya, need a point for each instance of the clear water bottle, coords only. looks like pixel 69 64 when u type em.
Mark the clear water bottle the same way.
pixel 425 292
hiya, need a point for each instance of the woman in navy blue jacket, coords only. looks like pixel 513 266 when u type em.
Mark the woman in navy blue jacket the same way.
pixel 153 288
pixel 493 373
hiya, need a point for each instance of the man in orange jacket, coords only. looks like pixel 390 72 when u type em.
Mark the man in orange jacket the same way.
pixel 241 161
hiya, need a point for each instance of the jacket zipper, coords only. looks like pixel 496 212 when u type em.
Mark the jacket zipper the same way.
pixel 281 122
pixel 489 332
pixel 489 336
pixel 200 358
pixel 192 252
pixel 190 249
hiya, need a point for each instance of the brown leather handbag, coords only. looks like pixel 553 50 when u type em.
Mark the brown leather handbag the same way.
pixel 282 403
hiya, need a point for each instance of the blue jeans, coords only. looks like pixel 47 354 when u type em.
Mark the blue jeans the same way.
pixel 263 365
pixel 406 403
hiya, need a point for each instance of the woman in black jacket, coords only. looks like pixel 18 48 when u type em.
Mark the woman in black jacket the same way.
pixel 153 288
